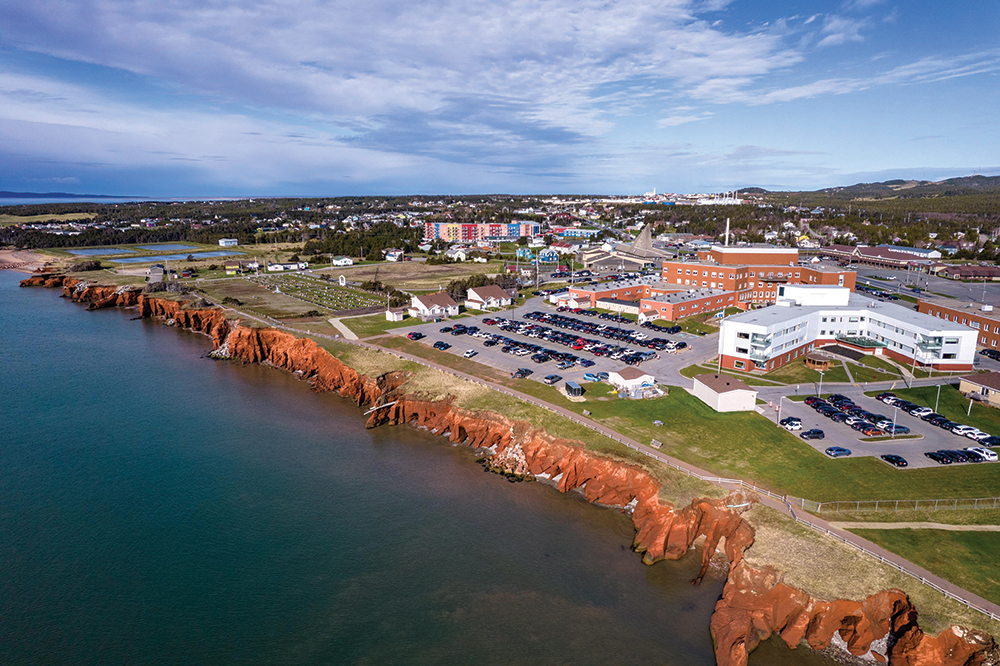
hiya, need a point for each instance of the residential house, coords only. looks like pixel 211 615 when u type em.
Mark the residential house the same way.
pixel 433 305
pixel 487 298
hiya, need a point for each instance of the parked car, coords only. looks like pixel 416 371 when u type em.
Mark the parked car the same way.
pixel 895 460
pixel 470 353
pixel 521 373
pixel 920 412
pixel 551 379
pixel 445 329
pixel 838 417
pixel 791 425
pixel 992 440
pixel 962 429
pixel 414 335
pixel 896 429
pixel 990 456
pixel 441 345
pixel 838 452
pixel 812 433
pixel 591 377
pixel 869 430
pixel 938 457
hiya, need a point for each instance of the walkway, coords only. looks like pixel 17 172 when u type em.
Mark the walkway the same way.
pixel 768 498
pixel 342 327
pixel 915 526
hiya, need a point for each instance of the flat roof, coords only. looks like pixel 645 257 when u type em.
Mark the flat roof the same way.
pixel 775 314
pixel 756 249
pixel 689 295
pixel 971 307
pixel 716 265
pixel 723 383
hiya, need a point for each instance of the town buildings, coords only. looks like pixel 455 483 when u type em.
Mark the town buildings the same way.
pixel 809 316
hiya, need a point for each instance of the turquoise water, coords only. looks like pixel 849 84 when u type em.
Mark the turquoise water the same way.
pixel 157 507
pixel 173 257
pixel 99 251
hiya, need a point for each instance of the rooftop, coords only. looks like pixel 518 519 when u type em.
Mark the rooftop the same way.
pixel 987 379
pixel 723 383
pixel 689 295
pixel 776 314
pixel 972 307
pixel 631 373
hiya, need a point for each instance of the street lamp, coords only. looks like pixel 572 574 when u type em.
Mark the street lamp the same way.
pixel 820 393
pixel 895 410
pixel 779 406
pixel 937 398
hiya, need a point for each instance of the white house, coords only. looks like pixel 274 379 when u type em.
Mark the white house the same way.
pixel 457 253
pixel 395 314
pixel 292 266
pixel 342 261
pixel 393 254
pixel 724 393
pixel 486 298
pixel 630 379
pixel 229 242
pixel 433 305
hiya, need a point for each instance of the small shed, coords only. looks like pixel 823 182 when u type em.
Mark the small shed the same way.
pixel 574 389
pixel 817 361
pixel 630 379
pixel 724 393
pixel 395 314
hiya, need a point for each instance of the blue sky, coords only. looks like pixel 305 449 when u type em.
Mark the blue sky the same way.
pixel 200 98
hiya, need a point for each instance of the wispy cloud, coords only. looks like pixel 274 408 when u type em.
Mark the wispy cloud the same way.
pixel 841 29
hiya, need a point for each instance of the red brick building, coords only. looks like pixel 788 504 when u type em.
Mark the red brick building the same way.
pixel 755 273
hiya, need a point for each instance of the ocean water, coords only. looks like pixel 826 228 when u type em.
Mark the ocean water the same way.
pixel 157 507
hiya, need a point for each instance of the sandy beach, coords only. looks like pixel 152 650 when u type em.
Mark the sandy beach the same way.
pixel 24 261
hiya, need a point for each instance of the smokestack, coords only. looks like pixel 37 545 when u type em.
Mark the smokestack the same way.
pixel 727 232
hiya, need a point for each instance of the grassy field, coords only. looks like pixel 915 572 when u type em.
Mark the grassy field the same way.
pixel 256 299
pixel 328 295
pixel 967 559
pixel 797 373
pixel 750 380
pixel 761 452
pixel 417 275
pixel 376 324
pixel 953 405
pixel 36 219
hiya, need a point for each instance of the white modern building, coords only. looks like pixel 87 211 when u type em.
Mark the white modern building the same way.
pixel 228 242
pixel 809 316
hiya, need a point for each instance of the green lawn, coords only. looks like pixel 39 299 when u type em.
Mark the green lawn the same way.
pixel 967 559
pixel 865 374
pixel 952 405
pixel 796 372
pixel 750 380
pixel 376 324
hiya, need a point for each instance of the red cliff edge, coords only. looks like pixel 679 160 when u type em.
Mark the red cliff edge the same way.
pixel 755 603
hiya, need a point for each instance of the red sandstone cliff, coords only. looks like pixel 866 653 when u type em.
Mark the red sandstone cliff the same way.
pixel 755 603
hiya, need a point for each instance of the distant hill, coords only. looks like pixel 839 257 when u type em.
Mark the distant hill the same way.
pixel 914 189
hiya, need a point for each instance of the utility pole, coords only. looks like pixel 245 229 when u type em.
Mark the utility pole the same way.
pixel 937 398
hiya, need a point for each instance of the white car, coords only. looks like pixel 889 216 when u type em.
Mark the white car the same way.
pixel 851 420
pixel 890 400
pixel 792 425
pixel 990 456
pixel 963 430
pixel 977 435
pixel 921 411
pixel 470 353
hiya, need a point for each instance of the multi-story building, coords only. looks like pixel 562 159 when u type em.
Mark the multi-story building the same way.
pixel 982 317
pixel 462 232
pixel 653 299
pixel 809 316
pixel 754 272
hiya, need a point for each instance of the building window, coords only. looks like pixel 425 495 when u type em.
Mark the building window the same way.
pixel 948 356
pixel 745 336
pixel 752 274
pixel 739 365
pixel 742 350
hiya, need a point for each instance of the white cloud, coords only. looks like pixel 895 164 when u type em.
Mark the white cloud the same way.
pixel 674 121
pixel 841 29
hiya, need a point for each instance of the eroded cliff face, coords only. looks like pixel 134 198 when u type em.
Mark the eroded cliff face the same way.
pixel 755 603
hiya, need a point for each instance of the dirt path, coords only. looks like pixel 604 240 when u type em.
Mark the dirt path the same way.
pixel 915 526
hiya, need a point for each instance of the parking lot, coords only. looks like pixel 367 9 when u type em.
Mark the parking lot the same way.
pixel 841 434
pixel 664 368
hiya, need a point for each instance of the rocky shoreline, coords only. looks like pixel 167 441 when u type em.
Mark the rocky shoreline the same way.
pixel 755 604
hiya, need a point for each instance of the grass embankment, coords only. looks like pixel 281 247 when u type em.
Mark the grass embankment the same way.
pixel 953 406
pixel 830 569
pixel 750 380
pixel 967 559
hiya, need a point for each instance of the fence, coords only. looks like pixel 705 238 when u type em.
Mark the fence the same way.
pixel 788 501
pixel 896 505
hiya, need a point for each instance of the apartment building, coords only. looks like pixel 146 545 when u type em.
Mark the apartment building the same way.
pixel 809 316
pixel 455 232
pixel 754 272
